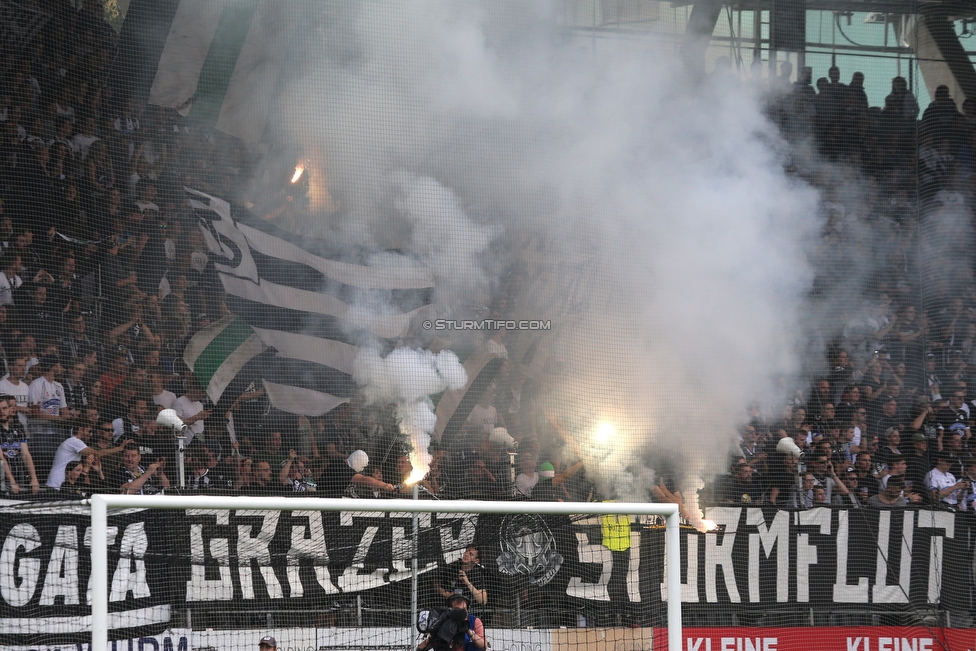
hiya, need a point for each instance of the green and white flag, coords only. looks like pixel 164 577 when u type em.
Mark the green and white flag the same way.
pixel 217 353
pixel 225 54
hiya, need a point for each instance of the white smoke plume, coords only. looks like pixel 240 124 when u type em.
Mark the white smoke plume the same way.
pixel 445 236
pixel 647 215
pixel 409 377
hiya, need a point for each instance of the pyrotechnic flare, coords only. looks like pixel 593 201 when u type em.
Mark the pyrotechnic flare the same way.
pixel 409 377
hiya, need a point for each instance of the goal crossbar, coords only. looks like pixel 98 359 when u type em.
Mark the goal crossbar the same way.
pixel 100 504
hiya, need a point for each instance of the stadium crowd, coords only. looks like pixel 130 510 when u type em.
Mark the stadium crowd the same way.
pixel 105 278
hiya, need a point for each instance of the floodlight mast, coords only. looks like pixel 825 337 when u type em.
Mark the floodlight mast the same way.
pixel 101 503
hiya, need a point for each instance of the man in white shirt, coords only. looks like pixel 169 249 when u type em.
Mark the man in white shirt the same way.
pixel 160 396
pixel 528 477
pixel 48 409
pixel 189 407
pixel 12 385
pixel 496 345
pixel 484 414
pixel 942 483
pixel 75 448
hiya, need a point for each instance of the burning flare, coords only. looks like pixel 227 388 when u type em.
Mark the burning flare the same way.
pixel 299 170
pixel 416 475
pixel 605 432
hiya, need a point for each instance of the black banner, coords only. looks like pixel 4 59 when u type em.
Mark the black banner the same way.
pixel 230 560
pixel 45 566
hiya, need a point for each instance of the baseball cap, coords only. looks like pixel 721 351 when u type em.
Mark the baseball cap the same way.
pixel 269 641
pixel 918 437
pixel 458 597
pixel 546 470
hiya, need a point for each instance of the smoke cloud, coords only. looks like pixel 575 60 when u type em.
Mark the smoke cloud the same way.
pixel 648 216
pixel 408 377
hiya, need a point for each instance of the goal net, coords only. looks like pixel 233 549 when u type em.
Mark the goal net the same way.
pixel 342 574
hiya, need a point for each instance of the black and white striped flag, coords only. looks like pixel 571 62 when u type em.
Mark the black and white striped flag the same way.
pixel 312 303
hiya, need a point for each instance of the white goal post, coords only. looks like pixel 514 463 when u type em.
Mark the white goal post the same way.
pixel 100 504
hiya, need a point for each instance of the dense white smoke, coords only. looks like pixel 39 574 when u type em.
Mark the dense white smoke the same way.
pixel 409 377
pixel 648 216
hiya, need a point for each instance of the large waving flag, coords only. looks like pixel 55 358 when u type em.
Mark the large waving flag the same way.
pixel 225 54
pixel 311 303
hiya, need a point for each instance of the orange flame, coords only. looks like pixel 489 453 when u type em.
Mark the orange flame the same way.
pixel 299 170
pixel 416 475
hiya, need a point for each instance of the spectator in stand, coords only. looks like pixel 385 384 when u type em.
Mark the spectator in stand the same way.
pixel 967 500
pixel 954 445
pixel 296 473
pixel 12 385
pixel 49 410
pixel 889 417
pixel 924 420
pixel 15 449
pixel 827 415
pixel 75 448
pixel 841 376
pixel 189 407
pixel 339 475
pixel 77 340
pixel 957 411
pixel 848 492
pixel 203 467
pixel 118 369
pixel 781 485
pixel 902 103
pixel 892 439
pixel 133 479
pixel 742 487
pixel 528 476
pixel 130 424
pixel 336 442
pixel 74 389
pixel 891 495
pixel 941 116
pixel 752 451
pixel 484 413
pixel 867 475
pixel 121 400
pixel 274 450
pixel 160 396
pixel 10 280
pixel 78 482
pixel 805 496
pixel 858 98
pixel 261 480
pixel 919 461
pixel 944 488
pixel 37 316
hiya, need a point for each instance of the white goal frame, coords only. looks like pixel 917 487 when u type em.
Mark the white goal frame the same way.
pixel 100 504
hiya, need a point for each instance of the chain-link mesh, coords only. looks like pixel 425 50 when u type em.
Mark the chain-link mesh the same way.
pixel 573 250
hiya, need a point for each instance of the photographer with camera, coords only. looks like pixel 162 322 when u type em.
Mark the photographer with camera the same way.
pixel 465 577
pixel 454 629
